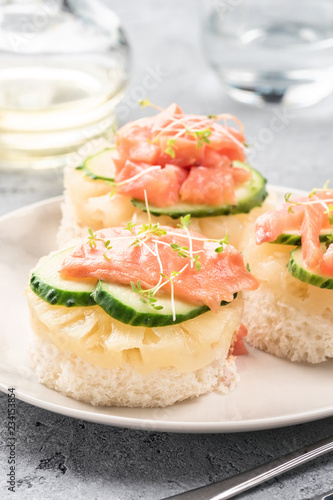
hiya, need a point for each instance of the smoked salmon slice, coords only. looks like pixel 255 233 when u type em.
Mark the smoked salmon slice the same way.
pixel 326 264
pixel 307 216
pixel 220 276
pixel 239 348
pixel 310 231
pixel 186 141
pixel 161 185
pixel 271 224
pixel 208 185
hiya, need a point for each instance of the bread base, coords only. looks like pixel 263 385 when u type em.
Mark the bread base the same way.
pixel 70 230
pixel 285 331
pixel 124 386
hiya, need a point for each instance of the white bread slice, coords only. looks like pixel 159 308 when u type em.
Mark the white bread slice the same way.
pixel 124 386
pixel 284 316
pixel 285 331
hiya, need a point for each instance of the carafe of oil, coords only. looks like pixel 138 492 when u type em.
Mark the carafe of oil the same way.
pixel 63 69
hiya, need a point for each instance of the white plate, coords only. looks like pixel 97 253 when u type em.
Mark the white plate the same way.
pixel 272 392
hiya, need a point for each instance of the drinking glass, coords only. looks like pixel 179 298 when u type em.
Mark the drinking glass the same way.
pixel 271 51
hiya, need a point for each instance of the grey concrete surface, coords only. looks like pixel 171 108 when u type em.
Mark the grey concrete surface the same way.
pixel 59 457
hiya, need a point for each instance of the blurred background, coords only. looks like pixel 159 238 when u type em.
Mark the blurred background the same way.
pixel 175 56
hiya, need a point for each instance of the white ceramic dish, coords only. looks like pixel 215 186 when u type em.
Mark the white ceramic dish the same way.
pixel 272 392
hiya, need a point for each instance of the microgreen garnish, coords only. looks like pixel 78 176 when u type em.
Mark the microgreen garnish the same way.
pixel 173 274
pixel 152 229
pixel 144 103
pixel 170 150
pixel 197 263
pixel 199 127
pixel 130 227
pixel 92 238
pixel 136 289
pixel 330 214
pixel 324 188
pixel 329 240
pixel 287 200
pixel 170 279
pixel 146 230
pixel 327 205
pixel 147 296
pixel 182 251
pixel 201 136
pixel 185 221
pixel 222 243
pixel 185 253
pixel 108 247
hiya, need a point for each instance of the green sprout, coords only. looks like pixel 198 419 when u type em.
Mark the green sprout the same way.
pixel 144 103
pixel 147 296
pixel 185 221
pixel 108 247
pixel 92 238
pixel 222 243
pixel 170 150
pixel 202 136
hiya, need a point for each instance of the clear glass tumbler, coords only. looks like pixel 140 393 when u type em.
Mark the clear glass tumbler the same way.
pixel 271 51
pixel 63 69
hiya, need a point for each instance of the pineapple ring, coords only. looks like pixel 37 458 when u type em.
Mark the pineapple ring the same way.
pixel 268 263
pixel 92 335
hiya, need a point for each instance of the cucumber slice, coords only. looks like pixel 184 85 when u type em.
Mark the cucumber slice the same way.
pixel 294 237
pixel 49 286
pixel 123 304
pixel 99 166
pixel 298 270
pixel 249 195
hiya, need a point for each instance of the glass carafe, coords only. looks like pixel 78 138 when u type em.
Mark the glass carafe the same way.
pixel 63 69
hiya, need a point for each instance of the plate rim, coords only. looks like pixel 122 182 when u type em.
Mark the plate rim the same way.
pixel 233 426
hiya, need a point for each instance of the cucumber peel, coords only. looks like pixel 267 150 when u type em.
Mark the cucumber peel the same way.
pixel 124 305
pixel 49 286
pixel 119 301
pixel 99 166
pixel 294 237
pixel 249 195
pixel 298 270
